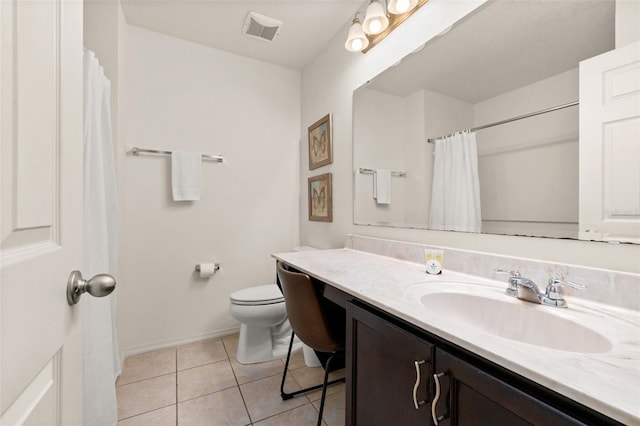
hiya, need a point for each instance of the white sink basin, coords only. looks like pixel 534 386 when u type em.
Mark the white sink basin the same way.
pixel 514 319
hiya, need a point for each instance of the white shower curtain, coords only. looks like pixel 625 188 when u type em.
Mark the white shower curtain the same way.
pixel 101 360
pixel 455 196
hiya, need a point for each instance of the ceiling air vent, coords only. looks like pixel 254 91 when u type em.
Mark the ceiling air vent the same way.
pixel 260 26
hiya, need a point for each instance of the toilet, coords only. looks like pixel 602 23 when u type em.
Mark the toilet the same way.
pixel 264 331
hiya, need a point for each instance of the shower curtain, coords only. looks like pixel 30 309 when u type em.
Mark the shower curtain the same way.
pixel 101 360
pixel 455 196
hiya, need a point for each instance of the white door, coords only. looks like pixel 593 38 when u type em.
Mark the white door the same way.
pixel 41 211
pixel 610 146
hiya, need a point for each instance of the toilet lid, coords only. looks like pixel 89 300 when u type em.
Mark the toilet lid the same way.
pixel 259 295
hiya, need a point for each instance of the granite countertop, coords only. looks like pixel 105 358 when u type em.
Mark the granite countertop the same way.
pixel 608 382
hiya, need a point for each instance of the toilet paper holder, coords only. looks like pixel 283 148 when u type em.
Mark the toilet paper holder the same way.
pixel 216 267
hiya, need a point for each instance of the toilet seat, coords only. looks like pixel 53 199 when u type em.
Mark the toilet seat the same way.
pixel 260 295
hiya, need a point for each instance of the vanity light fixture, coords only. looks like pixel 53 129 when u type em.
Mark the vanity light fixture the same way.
pixel 397 7
pixel 375 19
pixel 357 39
pixel 380 18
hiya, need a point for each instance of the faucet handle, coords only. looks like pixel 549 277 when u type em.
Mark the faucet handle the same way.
pixel 512 290
pixel 556 280
pixel 512 274
pixel 554 289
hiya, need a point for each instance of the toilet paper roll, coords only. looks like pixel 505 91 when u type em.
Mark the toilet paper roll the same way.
pixel 207 270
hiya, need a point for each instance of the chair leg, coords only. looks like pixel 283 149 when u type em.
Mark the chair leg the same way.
pixel 283 394
pixel 324 387
pixel 290 395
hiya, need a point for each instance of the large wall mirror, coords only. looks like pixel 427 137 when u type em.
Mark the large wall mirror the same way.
pixel 507 59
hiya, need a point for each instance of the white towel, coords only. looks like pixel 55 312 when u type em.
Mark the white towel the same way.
pixel 382 186
pixel 186 175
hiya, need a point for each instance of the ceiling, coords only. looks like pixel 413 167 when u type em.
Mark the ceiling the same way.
pixel 504 45
pixel 307 27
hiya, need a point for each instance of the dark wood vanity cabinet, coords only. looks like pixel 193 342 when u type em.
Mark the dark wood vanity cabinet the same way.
pixel 470 396
pixel 381 374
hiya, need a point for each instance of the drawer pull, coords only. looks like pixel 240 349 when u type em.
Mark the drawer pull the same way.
pixel 417 403
pixel 436 418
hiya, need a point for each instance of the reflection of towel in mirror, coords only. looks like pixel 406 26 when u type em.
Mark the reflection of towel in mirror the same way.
pixel 186 175
pixel 382 186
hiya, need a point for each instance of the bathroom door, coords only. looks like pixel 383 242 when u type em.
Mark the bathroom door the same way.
pixel 610 146
pixel 41 211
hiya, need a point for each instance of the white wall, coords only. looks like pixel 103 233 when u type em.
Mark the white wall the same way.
pixel 327 86
pixel 418 161
pixel 444 114
pixel 529 168
pixel 178 95
pixel 627 22
pixel 383 148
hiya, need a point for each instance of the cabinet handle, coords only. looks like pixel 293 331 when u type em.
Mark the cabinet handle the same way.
pixel 417 403
pixel 436 418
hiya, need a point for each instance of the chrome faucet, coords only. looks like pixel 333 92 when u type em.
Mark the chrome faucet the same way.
pixel 526 289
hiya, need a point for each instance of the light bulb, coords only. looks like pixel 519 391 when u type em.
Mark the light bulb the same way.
pixel 375 20
pixel 398 7
pixel 356 39
pixel 375 26
pixel 402 5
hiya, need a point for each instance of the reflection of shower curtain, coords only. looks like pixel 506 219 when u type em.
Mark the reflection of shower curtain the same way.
pixel 455 197
pixel 101 360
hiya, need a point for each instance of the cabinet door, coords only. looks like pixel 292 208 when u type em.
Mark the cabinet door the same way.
pixel 470 396
pixel 382 372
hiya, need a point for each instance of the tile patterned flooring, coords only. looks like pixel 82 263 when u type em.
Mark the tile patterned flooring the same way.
pixel 203 384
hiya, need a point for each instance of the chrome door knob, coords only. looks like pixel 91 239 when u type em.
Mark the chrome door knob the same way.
pixel 99 286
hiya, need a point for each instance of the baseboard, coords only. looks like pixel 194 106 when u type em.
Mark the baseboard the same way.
pixel 150 347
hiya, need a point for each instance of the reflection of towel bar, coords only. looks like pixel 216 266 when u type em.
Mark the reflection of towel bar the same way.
pixel 137 151
pixel 371 171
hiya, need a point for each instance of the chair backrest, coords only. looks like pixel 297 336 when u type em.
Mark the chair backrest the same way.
pixel 306 315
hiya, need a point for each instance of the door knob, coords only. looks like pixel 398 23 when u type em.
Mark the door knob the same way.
pixel 99 286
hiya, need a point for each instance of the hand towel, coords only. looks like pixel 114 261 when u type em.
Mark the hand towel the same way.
pixel 186 177
pixel 382 186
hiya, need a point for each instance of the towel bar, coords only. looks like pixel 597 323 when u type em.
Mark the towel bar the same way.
pixel 137 151
pixel 393 173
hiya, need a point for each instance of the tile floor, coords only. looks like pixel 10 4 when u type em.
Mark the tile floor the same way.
pixel 203 384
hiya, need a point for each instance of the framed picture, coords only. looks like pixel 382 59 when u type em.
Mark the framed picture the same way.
pixel 320 150
pixel 320 203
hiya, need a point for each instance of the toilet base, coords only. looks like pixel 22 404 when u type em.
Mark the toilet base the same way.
pixel 256 344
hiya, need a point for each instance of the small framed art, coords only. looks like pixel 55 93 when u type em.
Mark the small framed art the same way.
pixel 320 198
pixel 320 149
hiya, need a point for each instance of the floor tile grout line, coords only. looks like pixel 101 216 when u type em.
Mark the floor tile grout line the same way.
pixel 291 409
pixel 226 347
pixel 246 407
pixel 148 378
pixel 207 394
pixel 202 365
pixel 146 412
pixel 259 420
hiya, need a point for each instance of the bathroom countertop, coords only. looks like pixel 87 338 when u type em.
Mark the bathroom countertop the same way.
pixel 607 382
